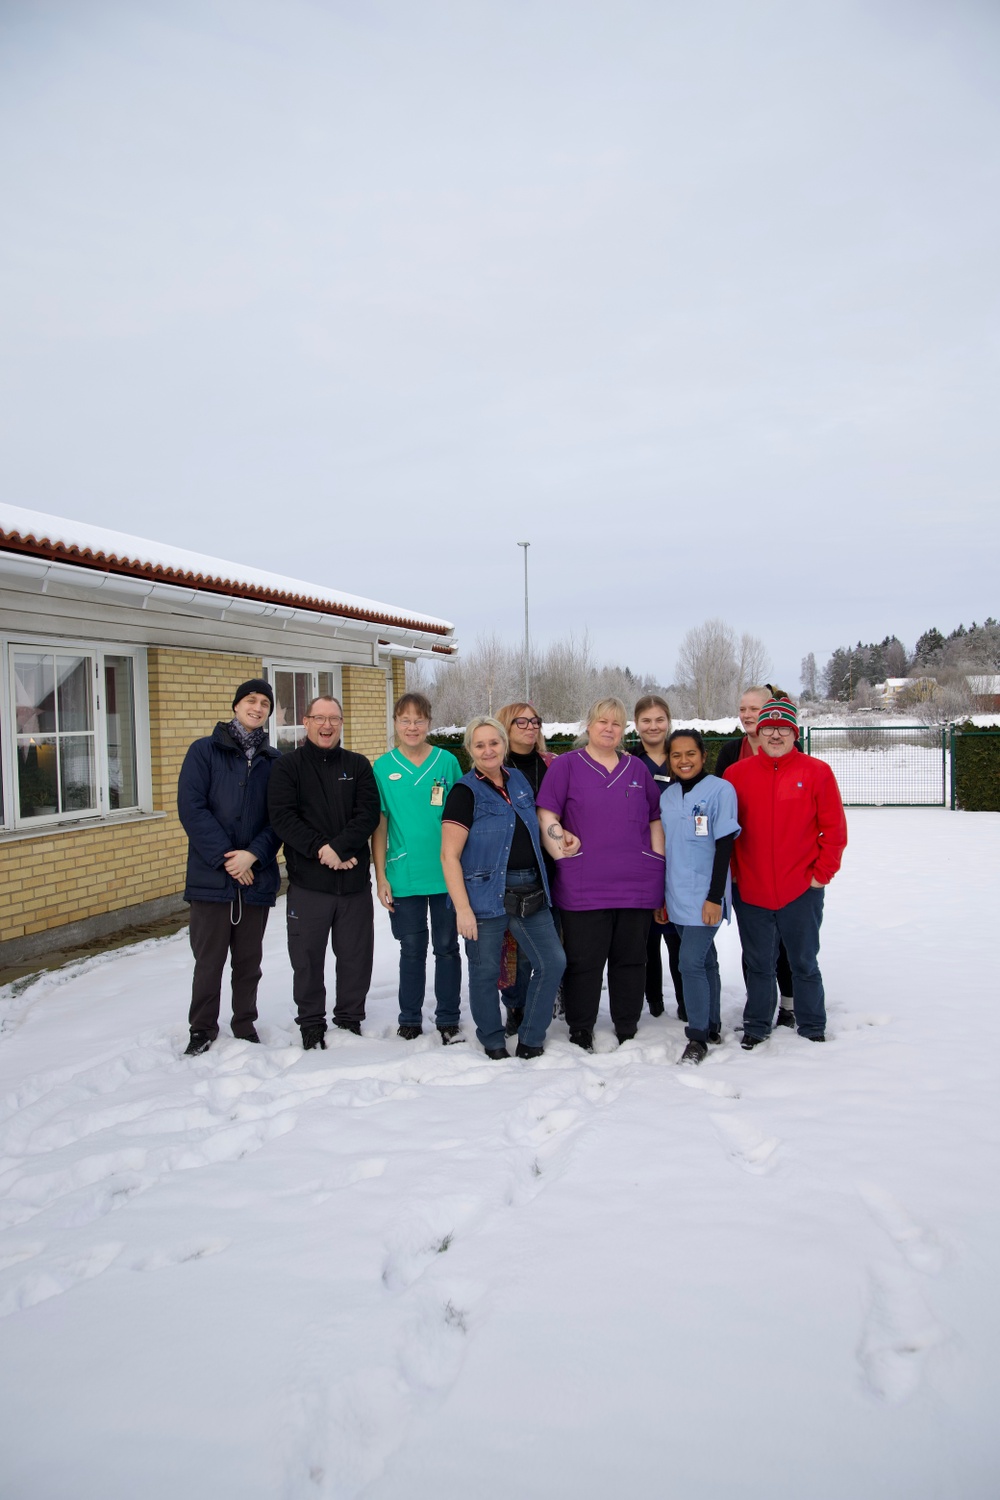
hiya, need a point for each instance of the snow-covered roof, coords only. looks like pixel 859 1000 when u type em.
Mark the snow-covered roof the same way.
pixel 60 540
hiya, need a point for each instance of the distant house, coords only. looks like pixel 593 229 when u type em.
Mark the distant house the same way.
pixel 887 692
pixel 117 653
pixel 912 689
pixel 985 694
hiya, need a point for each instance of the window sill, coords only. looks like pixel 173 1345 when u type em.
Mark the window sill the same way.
pixel 78 825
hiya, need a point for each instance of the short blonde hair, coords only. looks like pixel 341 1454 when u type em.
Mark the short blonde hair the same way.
pixel 481 721
pixel 512 711
pixel 607 708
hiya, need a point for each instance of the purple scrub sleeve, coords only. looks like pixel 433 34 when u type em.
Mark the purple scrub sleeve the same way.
pixel 610 812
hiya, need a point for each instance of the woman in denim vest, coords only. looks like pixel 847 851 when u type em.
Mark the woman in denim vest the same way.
pixel 493 867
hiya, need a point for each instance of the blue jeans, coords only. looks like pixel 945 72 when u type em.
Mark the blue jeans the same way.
pixel 536 938
pixel 797 925
pixel 409 927
pixel 514 995
pixel 699 967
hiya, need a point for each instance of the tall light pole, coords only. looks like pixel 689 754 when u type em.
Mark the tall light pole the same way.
pixel 527 675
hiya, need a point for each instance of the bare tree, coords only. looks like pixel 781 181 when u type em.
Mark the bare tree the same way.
pixel 809 675
pixel 752 663
pixel 565 678
pixel 710 665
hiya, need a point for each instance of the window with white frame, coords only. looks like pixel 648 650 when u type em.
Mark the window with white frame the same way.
pixel 294 686
pixel 75 749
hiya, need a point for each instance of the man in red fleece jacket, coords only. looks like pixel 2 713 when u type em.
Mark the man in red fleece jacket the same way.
pixel 793 834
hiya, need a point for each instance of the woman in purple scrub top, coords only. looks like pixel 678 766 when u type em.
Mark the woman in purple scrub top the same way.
pixel 608 892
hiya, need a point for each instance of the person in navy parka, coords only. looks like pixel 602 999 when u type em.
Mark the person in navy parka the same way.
pixel 232 866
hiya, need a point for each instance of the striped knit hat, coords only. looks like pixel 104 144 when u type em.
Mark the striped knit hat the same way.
pixel 779 711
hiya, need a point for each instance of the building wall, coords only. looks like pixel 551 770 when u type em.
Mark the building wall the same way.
pixel 398 678
pixel 52 879
pixel 365 727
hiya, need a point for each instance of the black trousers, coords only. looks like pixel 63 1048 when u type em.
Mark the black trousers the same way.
pixel 615 936
pixel 654 961
pixel 221 930
pixel 347 923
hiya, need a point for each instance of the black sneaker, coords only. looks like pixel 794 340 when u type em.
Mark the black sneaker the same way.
pixel 199 1043
pixel 246 1034
pixel 750 1042
pixel 715 1035
pixel 354 1027
pixel 820 1038
pixel 624 1036
pixel 408 1033
pixel 524 1051
pixel 515 1015
pixel 450 1036
pixel 785 1017
pixel 313 1036
pixel 655 1006
pixel 584 1039
pixel 694 1052
pixel 496 1053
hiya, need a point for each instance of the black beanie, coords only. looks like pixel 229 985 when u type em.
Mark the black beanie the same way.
pixel 255 685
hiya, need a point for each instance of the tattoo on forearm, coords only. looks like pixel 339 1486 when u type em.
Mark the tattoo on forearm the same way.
pixel 554 831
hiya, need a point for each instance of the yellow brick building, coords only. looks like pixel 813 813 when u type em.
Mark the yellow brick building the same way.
pixel 118 653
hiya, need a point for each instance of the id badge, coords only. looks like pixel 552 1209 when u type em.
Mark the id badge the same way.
pixel 701 825
pixel 437 794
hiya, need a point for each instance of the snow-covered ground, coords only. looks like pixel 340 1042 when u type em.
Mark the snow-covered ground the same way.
pixel 403 1272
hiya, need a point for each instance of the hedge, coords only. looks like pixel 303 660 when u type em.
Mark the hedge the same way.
pixel 976 768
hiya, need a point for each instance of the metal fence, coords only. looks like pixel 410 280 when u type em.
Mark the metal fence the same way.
pixel 885 766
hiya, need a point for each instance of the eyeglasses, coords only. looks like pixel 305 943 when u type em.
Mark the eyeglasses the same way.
pixel 527 723
pixel 325 718
pixel 412 723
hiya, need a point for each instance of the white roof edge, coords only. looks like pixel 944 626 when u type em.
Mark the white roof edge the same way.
pixel 98 539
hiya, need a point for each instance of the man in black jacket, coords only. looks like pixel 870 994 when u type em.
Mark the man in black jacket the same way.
pixel 324 804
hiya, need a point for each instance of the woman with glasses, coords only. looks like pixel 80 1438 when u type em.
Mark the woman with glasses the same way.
pixel 526 753
pixel 414 780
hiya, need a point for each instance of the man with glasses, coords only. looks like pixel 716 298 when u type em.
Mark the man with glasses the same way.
pixel 793 837
pixel 324 804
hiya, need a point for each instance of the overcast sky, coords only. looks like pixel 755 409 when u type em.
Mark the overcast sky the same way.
pixel 701 299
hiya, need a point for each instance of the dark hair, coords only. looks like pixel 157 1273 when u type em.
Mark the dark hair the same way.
pixel 421 705
pixel 778 693
pixel 687 734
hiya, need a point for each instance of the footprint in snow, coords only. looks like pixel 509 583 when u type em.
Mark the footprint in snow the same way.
pixel 917 1245
pixel 176 1255
pixel 746 1145
pixel 60 1275
pixel 899 1330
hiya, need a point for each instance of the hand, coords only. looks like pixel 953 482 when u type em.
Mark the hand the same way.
pixel 711 913
pixel 385 894
pixel 332 860
pixel 466 922
pixel 660 916
pixel 239 864
pixel 816 885
pixel 570 844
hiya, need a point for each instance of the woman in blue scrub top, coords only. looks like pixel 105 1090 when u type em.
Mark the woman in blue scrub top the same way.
pixel 698 813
